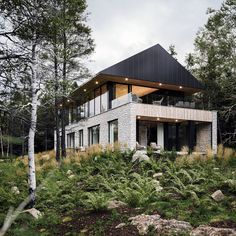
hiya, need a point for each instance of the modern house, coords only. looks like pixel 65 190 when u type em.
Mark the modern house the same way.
pixel 146 98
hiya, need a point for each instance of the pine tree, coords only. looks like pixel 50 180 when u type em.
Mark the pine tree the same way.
pixel 214 63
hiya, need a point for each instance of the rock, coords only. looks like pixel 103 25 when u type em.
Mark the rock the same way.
pixel 173 227
pixel 120 225
pixel 216 168
pixel 212 231
pixel 218 196
pixel 140 155
pixel 144 221
pixel 157 175
pixel 15 190
pixel 66 219
pixel 112 204
pixel 71 176
pixel 161 227
pixel 83 231
pixel 34 212
pixel 69 172
pixel 157 185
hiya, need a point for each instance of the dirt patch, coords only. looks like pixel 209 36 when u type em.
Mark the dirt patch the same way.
pixel 102 223
pixel 224 224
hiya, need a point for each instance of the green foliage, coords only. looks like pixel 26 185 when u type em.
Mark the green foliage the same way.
pixel 187 187
pixel 213 62
pixel 95 201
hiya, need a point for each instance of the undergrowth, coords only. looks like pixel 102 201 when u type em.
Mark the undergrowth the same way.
pixel 89 181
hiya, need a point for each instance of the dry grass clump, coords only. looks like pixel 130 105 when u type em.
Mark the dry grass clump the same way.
pixel 209 153
pixel 94 150
pixel 225 153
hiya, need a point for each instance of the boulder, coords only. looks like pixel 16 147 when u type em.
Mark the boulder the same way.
pixel 34 212
pixel 140 155
pixel 157 175
pixel 120 225
pixel 15 190
pixel 112 204
pixel 218 196
pixel 161 227
pixel 212 231
pixel 142 222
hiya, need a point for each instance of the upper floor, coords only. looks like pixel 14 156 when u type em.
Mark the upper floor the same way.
pixel 152 76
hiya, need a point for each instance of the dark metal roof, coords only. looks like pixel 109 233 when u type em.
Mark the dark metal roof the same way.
pixel 154 64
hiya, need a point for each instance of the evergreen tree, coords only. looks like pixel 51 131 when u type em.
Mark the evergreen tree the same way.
pixel 214 63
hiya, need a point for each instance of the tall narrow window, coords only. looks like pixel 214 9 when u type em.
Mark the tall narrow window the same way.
pixel 113 131
pixel 94 133
pixel 71 140
pixel 104 98
pixel 81 138
pixel 97 101
pixel 91 105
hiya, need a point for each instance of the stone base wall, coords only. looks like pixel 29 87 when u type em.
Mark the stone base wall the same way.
pixel 203 141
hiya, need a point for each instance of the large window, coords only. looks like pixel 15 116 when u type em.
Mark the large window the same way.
pixel 81 138
pixel 120 90
pixel 94 133
pixel 86 113
pixel 104 98
pixel 71 140
pixel 142 91
pixel 73 115
pixel 113 131
pixel 97 101
pixel 91 107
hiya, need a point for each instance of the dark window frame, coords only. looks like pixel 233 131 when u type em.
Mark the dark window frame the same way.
pixel 89 134
pixel 69 140
pixel 109 129
pixel 81 140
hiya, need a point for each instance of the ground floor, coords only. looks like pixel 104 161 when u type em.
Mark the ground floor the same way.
pixel 169 127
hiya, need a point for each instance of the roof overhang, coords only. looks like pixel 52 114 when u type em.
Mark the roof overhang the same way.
pixel 101 79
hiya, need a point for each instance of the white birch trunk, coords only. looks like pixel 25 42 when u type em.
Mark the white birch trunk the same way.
pixel 32 130
pixel 1 142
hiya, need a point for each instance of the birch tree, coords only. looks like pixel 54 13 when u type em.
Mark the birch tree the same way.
pixel 26 29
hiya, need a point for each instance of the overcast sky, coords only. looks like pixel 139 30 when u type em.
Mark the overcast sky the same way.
pixel 122 28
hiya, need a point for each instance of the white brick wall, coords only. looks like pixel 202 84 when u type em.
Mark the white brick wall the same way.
pixel 126 115
pixel 126 126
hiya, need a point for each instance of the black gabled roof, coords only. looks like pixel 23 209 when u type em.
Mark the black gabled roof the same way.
pixel 154 64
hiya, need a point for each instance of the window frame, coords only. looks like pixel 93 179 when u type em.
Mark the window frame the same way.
pixel 69 137
pixel 109 130
pixel 81 138
pixel 89 135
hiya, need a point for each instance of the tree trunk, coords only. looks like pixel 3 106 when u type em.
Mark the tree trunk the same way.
pixel 32 130
pixel 63 130
pixel 1 142
pixel 56 106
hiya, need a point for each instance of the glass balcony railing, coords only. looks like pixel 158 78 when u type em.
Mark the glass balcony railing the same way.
pixel 184 102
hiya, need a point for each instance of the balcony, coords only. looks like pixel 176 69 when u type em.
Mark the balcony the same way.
pixel 170 101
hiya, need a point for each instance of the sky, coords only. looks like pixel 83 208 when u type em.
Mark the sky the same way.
pixel 122 28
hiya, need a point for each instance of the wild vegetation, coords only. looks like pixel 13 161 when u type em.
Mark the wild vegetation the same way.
pixel 83 184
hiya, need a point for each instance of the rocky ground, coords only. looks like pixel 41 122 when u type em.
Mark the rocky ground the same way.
pixel 125 221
